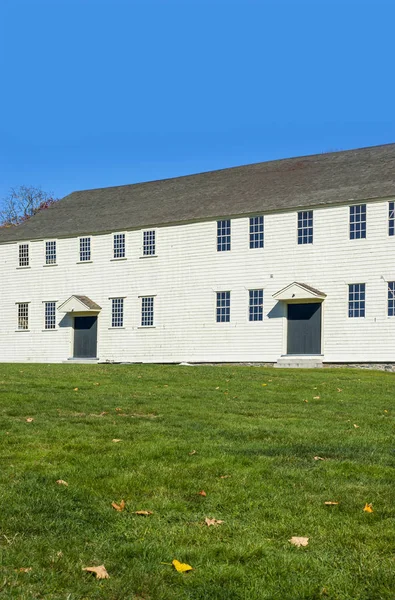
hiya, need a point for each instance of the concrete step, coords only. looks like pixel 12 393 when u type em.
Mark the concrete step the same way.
pixel 299 362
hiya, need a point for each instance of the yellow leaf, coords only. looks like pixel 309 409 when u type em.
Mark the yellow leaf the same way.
pixel 316 397
pixel 299 541
pixel 356 426
pixel 264 384
pixel 331 503
pixel 115 440
pixel 318 458
pixel 100 572
pixel 192 453
pixel 143 513
pixel 75 390
pixel 368 508
pixel 62 482
pixel 29 420
pixel 119 507
pixel 225 476
pixel 181 567
pixel 24 569
pixel 214 522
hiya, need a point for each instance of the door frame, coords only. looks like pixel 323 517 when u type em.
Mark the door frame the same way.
pixel 84 314
pixel 285 329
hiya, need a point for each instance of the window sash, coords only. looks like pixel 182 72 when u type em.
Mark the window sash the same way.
pixel 23 316
pixel 357 221
pixel 257 232
pixel 223 307
pixel 147 311
pixel 356 300
pixel 50 315
pixel 117 312
pixel 305 227
pixel 149 242
pixel 23 255
pixel 119 245
pixel 85 249
pixel 256 305
pixel 223 236
pixel 50 253
pixel 391 218
pixel 391 298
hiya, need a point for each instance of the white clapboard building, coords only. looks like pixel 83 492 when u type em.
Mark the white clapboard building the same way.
pixel 288 262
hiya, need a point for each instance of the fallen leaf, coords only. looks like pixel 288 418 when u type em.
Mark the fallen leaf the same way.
pixel 202 493
pixel 319 458
pixel 24 569
pixel 119 507
pixel 96 384
pixel 100 571
pixel 116 440
pixel 305 400
pixel 75 390
pixel 103 413
pixel 331 503
pixel 217 388
pixel 181 567
pixel 143 513
pixel 368 508
pixel 316 397
pixel 264 384
pixel 299 541
pixel 385 410
pixel 214 522
pixel 118 409
pixel 356 426
pixel 29 420
pixel 61 482
pixel 192 453
pixel 225 476
pixel 339 390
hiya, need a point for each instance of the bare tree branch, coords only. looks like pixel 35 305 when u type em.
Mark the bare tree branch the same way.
pixel 22 203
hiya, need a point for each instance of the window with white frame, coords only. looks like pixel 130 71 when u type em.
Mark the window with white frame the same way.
pixel 223 307
pixel 50 253
pixel 23 315
pixel 391 298
pixel 256 305
pixel 223 236
pixel 147 311
pixel 49 315
pixel 23 255
pixel 391 218
pixel 357 221
pixel 356 300
pixel 256 232
pixel 305 227
pixel 119 245
pixel 85 249
pixel 117 312
pixel 149 243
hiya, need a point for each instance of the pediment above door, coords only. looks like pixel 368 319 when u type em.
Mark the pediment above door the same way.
pixel 80 304
pixel 299 292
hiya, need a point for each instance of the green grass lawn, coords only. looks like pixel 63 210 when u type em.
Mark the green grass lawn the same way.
pixel 260 427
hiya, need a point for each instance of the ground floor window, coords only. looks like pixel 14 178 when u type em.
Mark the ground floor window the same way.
pixel 391 298
pixel 256 305
pixel 23 315
pixel 223 307
pixel 147 311
pixel 117 312
pixel 50 315
pixel 356 300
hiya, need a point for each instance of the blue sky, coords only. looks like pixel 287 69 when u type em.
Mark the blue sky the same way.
pixel 107 92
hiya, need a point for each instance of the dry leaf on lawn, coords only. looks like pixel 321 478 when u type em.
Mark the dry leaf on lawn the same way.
pixel 96 383
pixel 119 507
pixel 299 541
pixel 115 440
pixel 61 482
pixel 143 513
pixel 316 397
pixel 356 426
pixel 225 476
pixel 331 503
pixel 339 390
pixel 181 567
pixel 214 522
pixel 319 458
pixel 100 571
pixel 202 493
pixel 24 569
pixel 29 420
pixel 368 508
pixel 192 453
pixel 75 390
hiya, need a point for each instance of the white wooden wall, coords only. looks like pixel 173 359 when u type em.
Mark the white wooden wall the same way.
pixel 184 277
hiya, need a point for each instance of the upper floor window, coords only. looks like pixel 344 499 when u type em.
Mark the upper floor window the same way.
pixel 256 305
pixel 50 315
pixel 391 218
pixel 147 311
pixel 256 232
pixel 119 245
pixel 50 253
pixel 223 235
pixel 391 298
pixel 117 312
pixel 357 221
pixel 149 243
pixel 23 255
pixel 305 227
pixel 23 315
pixel 356 300
pixel 223 307
pixel 85 249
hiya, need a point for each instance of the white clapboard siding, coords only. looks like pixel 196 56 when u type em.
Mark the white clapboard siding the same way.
pixel 184 277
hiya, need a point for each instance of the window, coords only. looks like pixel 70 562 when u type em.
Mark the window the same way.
pixel 256 232
pixel 391 298
pixel 305 227
pixel 50 315
pixel 23 255
pixel 119 245
pixel 256 305
pixel 391 218
pixel 149 243
pixel 23 315
pixel 223 236
pixel 117 312
pixel 356 300
pixel 147 311
pixel 85 249
pixel 50 253
pixel 357 221
pixel 223 307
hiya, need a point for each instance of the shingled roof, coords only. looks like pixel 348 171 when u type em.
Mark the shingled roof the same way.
pixel 318 180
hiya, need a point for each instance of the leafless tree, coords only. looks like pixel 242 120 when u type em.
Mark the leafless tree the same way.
pixel 22 203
